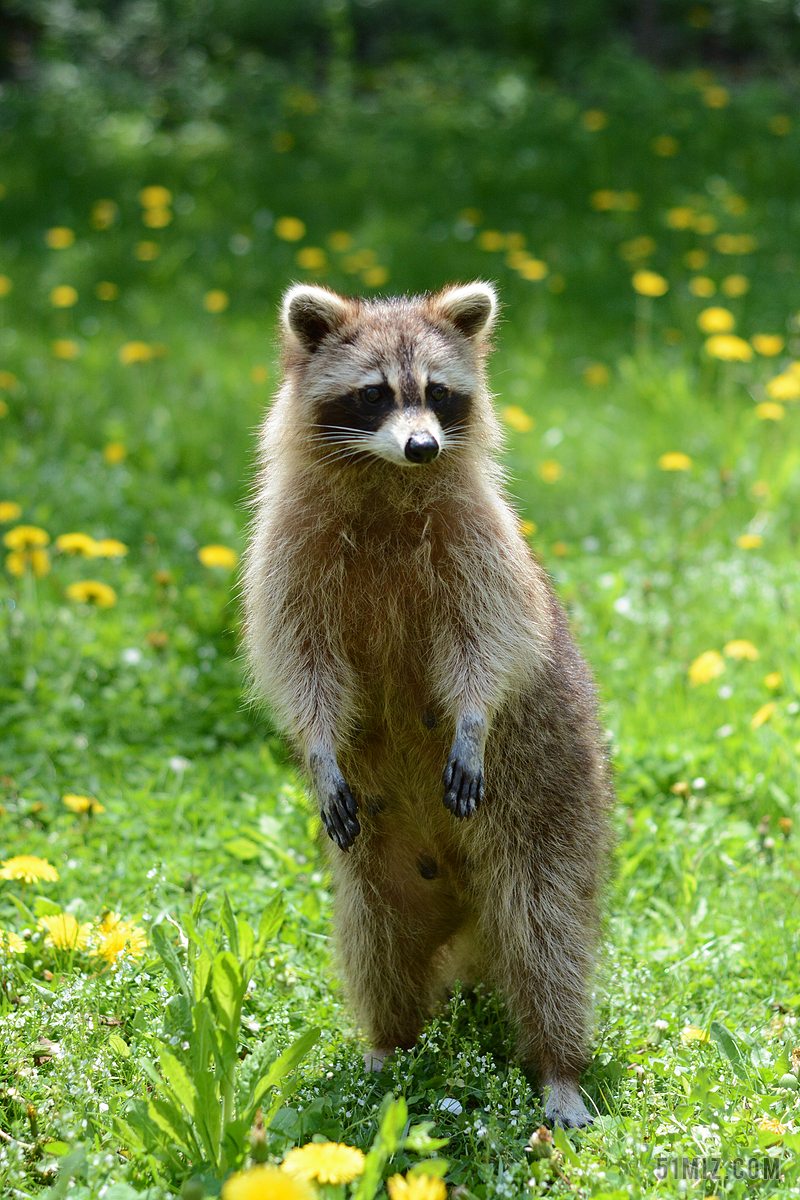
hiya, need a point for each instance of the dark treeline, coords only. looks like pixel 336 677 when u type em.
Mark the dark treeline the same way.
pixel 149 37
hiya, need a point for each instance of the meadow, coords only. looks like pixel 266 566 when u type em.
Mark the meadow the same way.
pixel 169 1008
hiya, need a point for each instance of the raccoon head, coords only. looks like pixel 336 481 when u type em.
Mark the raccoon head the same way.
pixel 400 379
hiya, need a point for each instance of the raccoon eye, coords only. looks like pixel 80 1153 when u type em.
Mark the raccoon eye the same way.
pixel 437 392
pixel 372 394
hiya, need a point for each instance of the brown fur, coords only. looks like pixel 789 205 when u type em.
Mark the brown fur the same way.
pixel 397 622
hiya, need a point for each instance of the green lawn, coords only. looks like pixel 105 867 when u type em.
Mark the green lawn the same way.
pixel 131 417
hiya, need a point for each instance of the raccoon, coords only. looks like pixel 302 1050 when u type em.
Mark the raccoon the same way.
pixel 416 656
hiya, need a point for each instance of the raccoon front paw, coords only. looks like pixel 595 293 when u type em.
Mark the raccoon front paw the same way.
pixel 337 805
pixel 463 784
pixel 564 1108
pixel 338 813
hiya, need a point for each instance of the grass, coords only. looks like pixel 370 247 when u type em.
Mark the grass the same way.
pixel 139 705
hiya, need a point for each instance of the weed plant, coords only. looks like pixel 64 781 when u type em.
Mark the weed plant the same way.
pixel 658 476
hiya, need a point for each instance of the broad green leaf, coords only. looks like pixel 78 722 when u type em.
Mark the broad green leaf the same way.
pixel 419 1140
pixel 201 973
pixel 243 848
pixel 227 990
pixel 166 951
pixel 562 1143
pixel 271 921
pixel 178 1080
pixel 393 1122
pixel 281 1067
pixel 169 1121
pixel 206 1043
pixel 247 940
pixel 119 1045
pixel 228 918
pixel 726 1044
pixel 436 1168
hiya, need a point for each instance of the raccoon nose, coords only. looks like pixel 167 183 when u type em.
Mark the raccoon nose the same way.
pixel 421 448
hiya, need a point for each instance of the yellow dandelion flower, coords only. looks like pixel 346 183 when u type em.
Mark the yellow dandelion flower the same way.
pixel 155 196
pixel 735 285
pixel 147 251
pixel 63 296
pixel 65 348
pixel 665 146
pixel 218 556
pixel 716 97
pixel 114 452
pixel 290 229
pixel 784 387
pixel 707 667
pixel 416 1187
pixel 64 932
pixel 28 868
pixel 533 269
pixel 135 352
pixel 732 243
pixel 597 374
pixel 156 218
pixel 9 511
pixel 550 470
pixel 716 320
pixel 312 258
pixel 794 368
pixel 702 286
pixel 772 1125
pixel 59 237
pixel 696 259
pixel 681 217
pixel 115 938
pixel 517 418
pixel 5 285
pixel 740 648
pixel 82 804
pixel 675 460
pixel 594 119
pixel 18 561
pixel 26 537
pixel 648 283
pixel 266 1183
pixel 769 410
pixel 106 290
pixel 340 241
pixel 528 528
pixel 773 680
pixel 375 276
pixel 11 943
pixel 91 591
pixel 768 344
pixel 729 348
pixel 104 213
pixel 749 541
pixel 637 248
pixel 780 124
pixel 259 373
pixel 704 223
pixel 763 714
pixel 7 380
pixel 359 261
pixel 216 301
pixel 76 543
pixel 691 1033
pixel 327 1162
pixel 110 548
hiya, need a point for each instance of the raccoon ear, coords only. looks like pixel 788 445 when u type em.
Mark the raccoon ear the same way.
pixel 471 308
pixel 311 313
